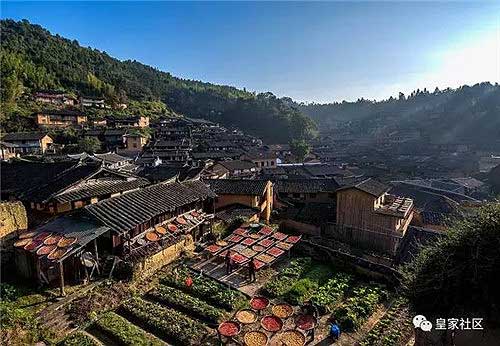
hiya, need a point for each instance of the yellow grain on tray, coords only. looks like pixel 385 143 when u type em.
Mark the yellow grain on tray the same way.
pixel 282 310
pixel 255 338
pixel 292 338
pixel 246 316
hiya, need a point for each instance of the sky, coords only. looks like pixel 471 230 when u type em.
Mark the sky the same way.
pixel 310 51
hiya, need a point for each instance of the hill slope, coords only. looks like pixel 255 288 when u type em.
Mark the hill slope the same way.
pixel 32 59
pixel 467 114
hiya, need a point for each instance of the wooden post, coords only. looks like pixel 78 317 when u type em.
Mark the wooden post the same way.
pixel 95 250
pixel 61 277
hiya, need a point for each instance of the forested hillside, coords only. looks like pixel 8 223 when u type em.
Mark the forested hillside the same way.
pixel 33 59
pixel 470 113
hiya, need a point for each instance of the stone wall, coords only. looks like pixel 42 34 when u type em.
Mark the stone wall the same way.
pixel 13 220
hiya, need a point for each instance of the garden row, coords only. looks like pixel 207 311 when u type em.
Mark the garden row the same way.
pixel 204 288
pixel 186 303
pixel 391 328
pixel 304 279
pixel 167 323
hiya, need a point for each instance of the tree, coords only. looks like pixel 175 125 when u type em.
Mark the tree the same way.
pixel 89 145
pixel 300 149
pixel 458 274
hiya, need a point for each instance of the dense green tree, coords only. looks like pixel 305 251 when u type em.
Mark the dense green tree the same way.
pixel 89 145
pixel 300 149
pixel 59 62
pixel 459 274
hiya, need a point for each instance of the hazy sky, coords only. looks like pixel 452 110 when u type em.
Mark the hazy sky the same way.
pixel 309 51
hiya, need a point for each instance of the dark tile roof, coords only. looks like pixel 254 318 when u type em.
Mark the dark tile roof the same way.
pixel 125 212
pixel 237 186
pixel 99 187
pixel 234 212
pixel 311 213
pixel 23 136
pixel 215 155
pixel 115 132
pixel 111 158
pixel 68 112
pixel 233 165
pixel 306 185
pixel 161 172
pixel 371 186
pixel 62 181
pixel 18 177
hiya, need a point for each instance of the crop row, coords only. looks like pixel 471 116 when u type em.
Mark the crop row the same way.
pixel 179 300
pixel 167 322
pixel 79 339
pixel 389 330
pixel 204 288
pixel 124 332
pixel 355 309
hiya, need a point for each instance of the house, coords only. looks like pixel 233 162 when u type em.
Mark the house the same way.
pixel 262 159
pixel 55 97
pixel 114 138
pixel 60 118
pixel 146 229
pixel 135 121
pixel 251 193
pixel 93 102
pixel 233 168
pixel 8 150
pixel 80 185
pixel 135 141
pixel 29 142
pixel 306 190
pixel 366 205
pixel 113 160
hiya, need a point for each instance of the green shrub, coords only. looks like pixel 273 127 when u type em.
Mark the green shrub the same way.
pixel 302 290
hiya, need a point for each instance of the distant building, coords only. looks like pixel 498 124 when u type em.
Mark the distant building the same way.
pixel 135 141
pixel 8 150
pixel 29 142
pixel 262 159
pixel 55 97
pixel 60 119
pixel 251 193
pixel 93 102
pixel 233 168
pixel 136 121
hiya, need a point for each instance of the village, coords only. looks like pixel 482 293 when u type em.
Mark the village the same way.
pixel 180 231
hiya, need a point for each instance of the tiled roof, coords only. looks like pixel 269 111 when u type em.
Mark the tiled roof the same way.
pixel 125 212
pixel 111 157
pixel 99 187
pixel 236 211
pixel 19 177
pixel 306 185
pixel 371 186
pixel 237 187
pixel 63 180
pixel 68 112
pixel 233 165
pixel 23 136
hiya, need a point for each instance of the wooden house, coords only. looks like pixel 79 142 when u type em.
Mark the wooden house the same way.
pixel 79 186
pixel 28 143
pixel 233 168
pixel 147 228
pixel 55 97
pixel 367 206
pixel 251 193
pixel 60 119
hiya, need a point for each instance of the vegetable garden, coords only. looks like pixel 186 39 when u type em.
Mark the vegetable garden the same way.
pixel 185 308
